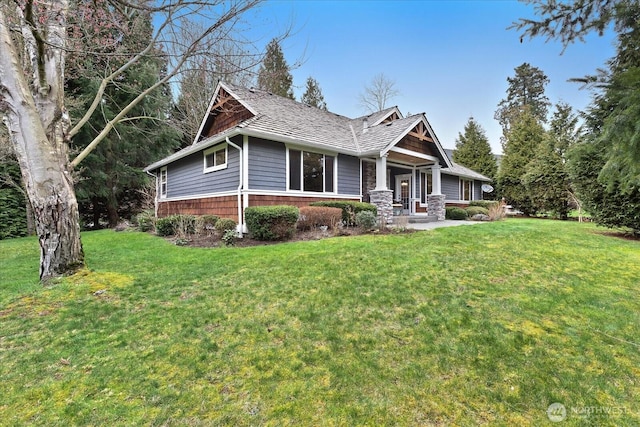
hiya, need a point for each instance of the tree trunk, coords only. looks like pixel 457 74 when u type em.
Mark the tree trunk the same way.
pixel 34 114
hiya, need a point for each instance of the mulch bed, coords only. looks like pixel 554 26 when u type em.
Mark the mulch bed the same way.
pixel 213 241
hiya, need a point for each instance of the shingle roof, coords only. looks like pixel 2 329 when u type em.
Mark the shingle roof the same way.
pixel 459 170
pixel 284 118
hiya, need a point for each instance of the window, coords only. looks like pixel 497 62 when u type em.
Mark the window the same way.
pixel 426 186
pixel 163 182
pixel 466 189
pixel 215 158
pixel 311 171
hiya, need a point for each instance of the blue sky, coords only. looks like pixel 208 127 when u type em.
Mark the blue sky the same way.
pixel 449 59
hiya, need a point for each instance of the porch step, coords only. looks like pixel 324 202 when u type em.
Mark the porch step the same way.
pixel 415 219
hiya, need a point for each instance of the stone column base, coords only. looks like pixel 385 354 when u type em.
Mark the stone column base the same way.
pixel 435 205
pixel 383 199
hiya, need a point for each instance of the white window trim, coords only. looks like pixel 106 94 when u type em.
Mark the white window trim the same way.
pixel 324 183
pixel 213 149
pixel 461 193
pixel 166 183
pixel 419 196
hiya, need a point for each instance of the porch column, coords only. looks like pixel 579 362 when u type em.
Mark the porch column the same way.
pixel 436 200
pixel 381 196
pixel 436 189
pixel 381 173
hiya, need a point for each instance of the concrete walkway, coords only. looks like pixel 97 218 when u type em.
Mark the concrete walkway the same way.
pixel 438 224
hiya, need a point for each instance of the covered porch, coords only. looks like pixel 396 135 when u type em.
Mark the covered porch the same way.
pixel 404 183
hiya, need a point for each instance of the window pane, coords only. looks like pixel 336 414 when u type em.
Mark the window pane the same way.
pixel 312 171
pixel 294 170
pixel 209 161
pixel 328 173
pixel 221 157
pixel 423 187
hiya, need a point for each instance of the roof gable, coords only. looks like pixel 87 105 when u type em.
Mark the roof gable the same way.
pixel 225 111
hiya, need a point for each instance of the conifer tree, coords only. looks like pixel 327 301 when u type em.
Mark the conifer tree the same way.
pixel 525 91
pixel 523 142
pixel 473 150
pixel 274 74
pixel 313 95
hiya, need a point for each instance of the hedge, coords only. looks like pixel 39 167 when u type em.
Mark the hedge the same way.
pixel 474 210
pixel 455 213
pixel 271 222
pixel 349 209
pixel 483 203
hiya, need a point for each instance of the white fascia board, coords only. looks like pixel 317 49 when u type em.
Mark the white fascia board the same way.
pixel 395 109
pixel 212 102
pixel 399 138
pixel 216 139
pixel 414 154
pixel 463 175
pixel 437 142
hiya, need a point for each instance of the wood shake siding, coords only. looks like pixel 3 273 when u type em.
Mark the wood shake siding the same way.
pixel 224 207
pixel 267 165
pixel 414 144
pixel 227 115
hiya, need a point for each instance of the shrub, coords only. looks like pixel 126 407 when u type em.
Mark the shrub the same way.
pixel 179 225
pixel 474 210
pixel 229 237
pixel 184 225
pixel 206 224
pixel 164 226
pixel 483 203
pixel 455 213
pixel 349 209
pixel 366 219
pixel 497 212
pixel 225 224
pixel 145 221
pixel 271 222
pixel 315 216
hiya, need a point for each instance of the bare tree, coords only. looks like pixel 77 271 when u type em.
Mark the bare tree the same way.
pixel 33 47
pixel 378 93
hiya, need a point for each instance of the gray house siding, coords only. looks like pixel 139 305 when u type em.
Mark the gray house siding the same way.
pixel 450 187
pixel 185 177
pixel 477 190
pixel 267 165
pixel 348 174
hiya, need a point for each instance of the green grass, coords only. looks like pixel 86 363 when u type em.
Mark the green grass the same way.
pixel 483 324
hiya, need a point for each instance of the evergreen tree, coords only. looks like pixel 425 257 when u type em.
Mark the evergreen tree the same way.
pixel 523 142
pixel 525 91
pixel 605 166
pixel 274 75
pixel 111 179
pixel 313 95
pixel 546 180
pixel 473 150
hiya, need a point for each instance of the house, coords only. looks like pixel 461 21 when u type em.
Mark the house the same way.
pixel 255 148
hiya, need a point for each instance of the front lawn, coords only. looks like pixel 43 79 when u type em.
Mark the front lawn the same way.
pixel 483 324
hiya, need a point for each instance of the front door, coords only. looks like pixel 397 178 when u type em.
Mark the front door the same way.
pixel 403 192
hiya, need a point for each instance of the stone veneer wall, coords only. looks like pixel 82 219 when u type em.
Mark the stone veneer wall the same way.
pixel 368 179
pixel 383 199
pixel 435 205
